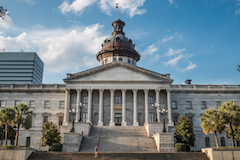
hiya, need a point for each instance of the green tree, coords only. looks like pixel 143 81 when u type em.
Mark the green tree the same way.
pixel 50 134
pixel 184 132
pixel 211 122
pixel 3 12
pixel 229 112
pixel 7 116
pixel 236 130
pixel 238 68
pixel 22 117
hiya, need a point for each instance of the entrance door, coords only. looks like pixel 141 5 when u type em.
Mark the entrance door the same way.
pixel 118 119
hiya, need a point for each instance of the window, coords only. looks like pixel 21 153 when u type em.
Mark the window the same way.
pixel 175 118
pixel 120 59
pixel 60 120
pixel 238 143
pixel 118 99
pixel 28 140
pixel 85 99
pixel 85 117
pixel 150 99
pixel 218 103
pixel 189 104
pixel 132 62
pixel 32 104
pixel 2 103
pixel 45 119
pixel 151 117
pixel 174 105
pixel 190 120
pixel 207 142
pixel 17 102
pixel 46 104
pixel 204 105
pixel 114 59
pixel 222 141
pixel 106 61
pixel 129 61
pixel 62 104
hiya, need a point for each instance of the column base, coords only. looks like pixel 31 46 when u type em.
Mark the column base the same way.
pixel 135 124
pixel 112 124
pixel 100 124
pixel 124 124
pixel 65 123
pixel 170 124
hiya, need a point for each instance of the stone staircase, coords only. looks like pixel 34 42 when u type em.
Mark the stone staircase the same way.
pixel 118 139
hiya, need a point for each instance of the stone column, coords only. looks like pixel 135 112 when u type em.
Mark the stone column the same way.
pixel 112 121
pixel 158 102
pixel 89 105
pixel 66 111
pixel 146 105
pixel 124 123
pixel 100 121
pixel 77 106
pixel 170 123
pixel 135 118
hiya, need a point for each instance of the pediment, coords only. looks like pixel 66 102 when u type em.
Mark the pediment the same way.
pixel 118 71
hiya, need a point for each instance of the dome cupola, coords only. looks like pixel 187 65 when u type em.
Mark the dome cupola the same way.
pixel 118 47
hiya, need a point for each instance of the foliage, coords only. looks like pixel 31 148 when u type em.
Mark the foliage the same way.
pixel 211 123
pixel 50 134
pixel 22 117
pixel 236 130
pixel 184 132
pixel 229 112
pixel 56 147
pixel 180 147
pixel 238 68
pixel 9 146
pixel 7 116
pixel 3 12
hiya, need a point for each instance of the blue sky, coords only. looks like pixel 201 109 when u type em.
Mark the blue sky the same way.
pixel 189 39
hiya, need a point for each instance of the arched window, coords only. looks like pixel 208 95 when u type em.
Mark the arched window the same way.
pixel 129 61
pixel 106 61
pixel 114 59
pixel 120 59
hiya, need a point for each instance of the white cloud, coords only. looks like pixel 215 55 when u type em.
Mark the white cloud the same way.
pixel 155 58
pixel 150 50
pixel 6 22
pixel 59 49
pixel 129 6
pixel 190 66
pixel 174 61
pixel 167 39
pixel 170 1
pixel 172 52
pixel 77 6
pixel 237 12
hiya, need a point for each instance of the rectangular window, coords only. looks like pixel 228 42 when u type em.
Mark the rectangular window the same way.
pixel 150 99
pixel 17 102
pixel 32 104
pixel 189 104
pixel 85 117
pixel 62 104
pixel 175 120
pixel 218 103
pixel 118 99
pixel 60 120
pixel 46 104
pixel 204 105
pixel 174 105
pixel 28 141
pixel 2 103
pixel 151 117
pixel 190 120
pixel 45 119
pixel 238 143
pixel 207 142
pixel 222 141
pixel 85 99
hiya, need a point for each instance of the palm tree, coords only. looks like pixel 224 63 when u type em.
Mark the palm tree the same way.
pixel 211 122
pixel 7 118
pixel 22 117
pixel 229 112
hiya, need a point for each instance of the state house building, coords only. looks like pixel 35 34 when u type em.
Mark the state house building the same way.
pixel 117 93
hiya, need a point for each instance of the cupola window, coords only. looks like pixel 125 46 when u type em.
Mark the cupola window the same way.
pixel 117 39
pixel 129 61
pixel 120 59
pixel 114 59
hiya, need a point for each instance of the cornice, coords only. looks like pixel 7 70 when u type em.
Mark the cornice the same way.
pixel 204 91
pixel 115 82
pixel 33 90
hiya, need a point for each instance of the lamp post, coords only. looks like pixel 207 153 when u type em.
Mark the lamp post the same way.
pixel 156 105
pixel 163 111
pixel 72 113
pixel 80 106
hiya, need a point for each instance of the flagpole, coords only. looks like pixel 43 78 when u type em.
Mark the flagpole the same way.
pixel 118 11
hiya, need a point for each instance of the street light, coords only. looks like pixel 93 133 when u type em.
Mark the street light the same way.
pixel 80 106
pixel 156 105
pixel 163 111
pixel 72 113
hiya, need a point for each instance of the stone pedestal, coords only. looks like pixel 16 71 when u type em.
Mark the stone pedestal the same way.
pixel 71 142
pixel 164 142
pixel 112 124
pixel 135 124
pixel 124 124
pixel 100 124
pixel 155 127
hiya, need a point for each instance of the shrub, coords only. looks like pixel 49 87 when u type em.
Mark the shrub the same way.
pixel 180 147
pixel 56 147
pixel 9 146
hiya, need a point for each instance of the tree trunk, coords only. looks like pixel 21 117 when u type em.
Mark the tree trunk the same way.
pixel 6 130
pixel 17 133
pixel 233 139
pixel 216 139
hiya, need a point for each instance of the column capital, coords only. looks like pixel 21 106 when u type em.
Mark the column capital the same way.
pixel 67 89
pixel 146 91
pixel 135 90
pixel 123 90
pixel 157 90
pixel 112 90
pixel 168 90
pixel 90 89
pixel 78 90
pixel 100 90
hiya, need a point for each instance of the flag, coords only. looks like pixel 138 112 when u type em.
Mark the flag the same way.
pixel 116 5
